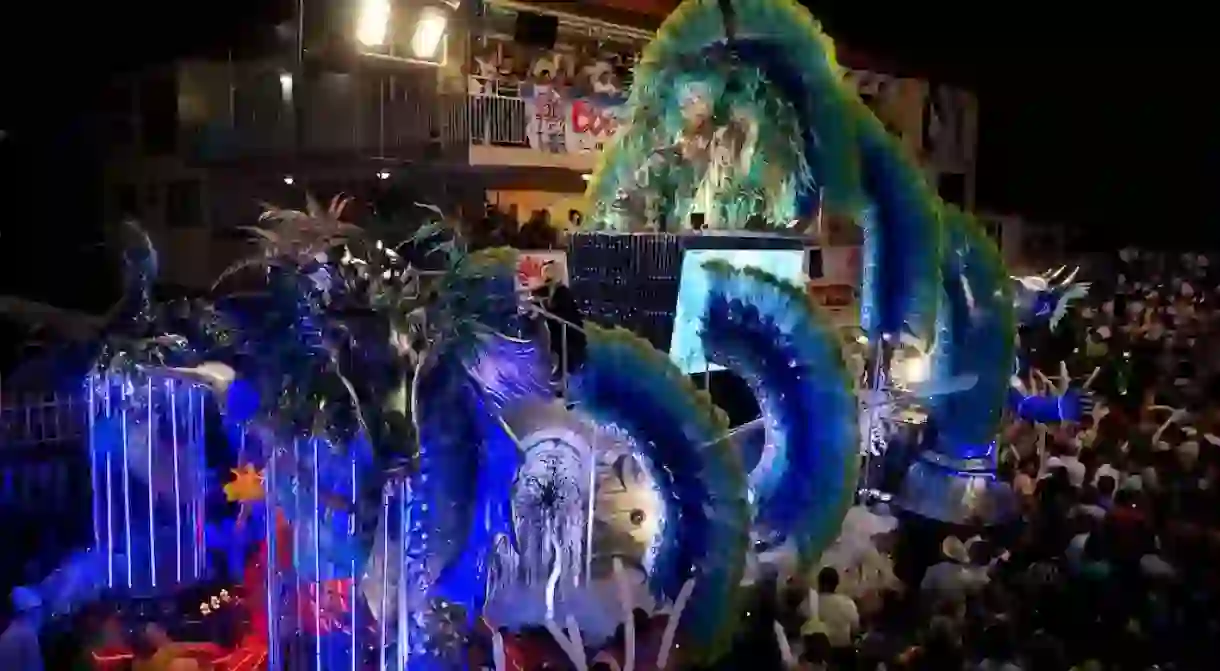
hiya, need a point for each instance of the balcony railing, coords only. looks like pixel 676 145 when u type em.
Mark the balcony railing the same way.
pixel 563 128
pixel 497 115
pixel 230 113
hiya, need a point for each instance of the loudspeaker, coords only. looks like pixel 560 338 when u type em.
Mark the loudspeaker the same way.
pixel 536 30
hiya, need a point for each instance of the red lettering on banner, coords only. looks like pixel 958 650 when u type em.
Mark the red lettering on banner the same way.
pixel 590 118
pixel 532 271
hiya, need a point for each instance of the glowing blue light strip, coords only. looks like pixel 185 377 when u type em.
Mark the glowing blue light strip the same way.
pixel 317 559
pixel 385 573
pixel 90 393
pixel 404 518
pixel 272 587
pixel 295 493
pixel 126 477
pixel 173 434
pixel 149 439
pixel 195 403
pixel 589 514
pixel 351 528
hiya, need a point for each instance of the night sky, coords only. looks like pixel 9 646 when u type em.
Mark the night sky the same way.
pixel 1104 121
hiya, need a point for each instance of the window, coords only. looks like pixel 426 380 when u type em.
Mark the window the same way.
pixel 952 188
pixel 814 263
pixel 995 230
pixel 184 206
pixel 126 201
pixel 158 101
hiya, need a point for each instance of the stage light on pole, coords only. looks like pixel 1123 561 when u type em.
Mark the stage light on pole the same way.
pixel 429 32
pixel 916 369
pixel 373 23
pixel 286 86
pixel 289 180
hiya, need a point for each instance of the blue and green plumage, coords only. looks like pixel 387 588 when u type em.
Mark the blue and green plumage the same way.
pixel 481 362
pixel 484 326
pixel 769 332
pixel 780 71
pixel 902 236
pixel 680 434
pixel 975 335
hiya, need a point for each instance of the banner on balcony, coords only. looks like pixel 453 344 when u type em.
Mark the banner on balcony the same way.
pixel 535 267
pixel 569 125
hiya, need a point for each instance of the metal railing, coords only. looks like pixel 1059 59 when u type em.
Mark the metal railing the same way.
pixel 30 420
pixel 250 113
pixel 245 111
pixel 497 120
pixel 43 463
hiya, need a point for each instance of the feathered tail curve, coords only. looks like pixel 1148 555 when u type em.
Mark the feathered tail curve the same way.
pixel 627 384
pixel 769 332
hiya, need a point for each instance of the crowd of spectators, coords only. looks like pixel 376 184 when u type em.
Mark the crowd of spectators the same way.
pixel 502 227
pixel 510 69
pixel 1114 562
pixel 1114 559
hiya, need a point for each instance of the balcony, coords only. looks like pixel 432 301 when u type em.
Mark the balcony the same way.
pixel 503 126
pixel 224 113
pixel 227 113
pixel 525 126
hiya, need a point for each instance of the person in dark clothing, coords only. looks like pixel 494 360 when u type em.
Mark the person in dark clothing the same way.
pixel 537 233
pixel 755 646
pixel 557 299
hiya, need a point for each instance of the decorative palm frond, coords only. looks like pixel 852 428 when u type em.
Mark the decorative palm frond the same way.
pixel 296 237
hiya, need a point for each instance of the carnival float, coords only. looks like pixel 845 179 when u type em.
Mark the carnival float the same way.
pixel 407 468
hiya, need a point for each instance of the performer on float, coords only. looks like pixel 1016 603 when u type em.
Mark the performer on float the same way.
pixel 1043 300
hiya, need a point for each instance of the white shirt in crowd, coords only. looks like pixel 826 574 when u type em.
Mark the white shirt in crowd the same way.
pixel 1075 550
pixel 605 87
pixel 954 580
pixel 839 617
pixel 993 665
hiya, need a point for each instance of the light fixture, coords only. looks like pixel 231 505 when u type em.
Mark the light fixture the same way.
pixel 915 369
pixel 587 176
pixel 289 180
pixel 286 85
pixel 429 31
pixel 373 22
pixel 383 174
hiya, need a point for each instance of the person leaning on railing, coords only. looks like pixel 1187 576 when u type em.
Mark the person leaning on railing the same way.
pixel 564 322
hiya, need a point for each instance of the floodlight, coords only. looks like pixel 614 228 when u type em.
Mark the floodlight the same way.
pixel 373 22
pixel 429 32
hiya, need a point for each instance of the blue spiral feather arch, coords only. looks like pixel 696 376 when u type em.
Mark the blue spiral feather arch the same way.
pixel 903 237
pixel 975 335
pixel 481 364
pixel 627 384
pixel 770 333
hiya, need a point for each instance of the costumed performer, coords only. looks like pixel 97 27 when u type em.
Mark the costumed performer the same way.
pixel 156 651
pixel 19 648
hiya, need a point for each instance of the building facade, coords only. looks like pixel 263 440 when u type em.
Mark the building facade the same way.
pixel 512 110
pixel 1028 247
